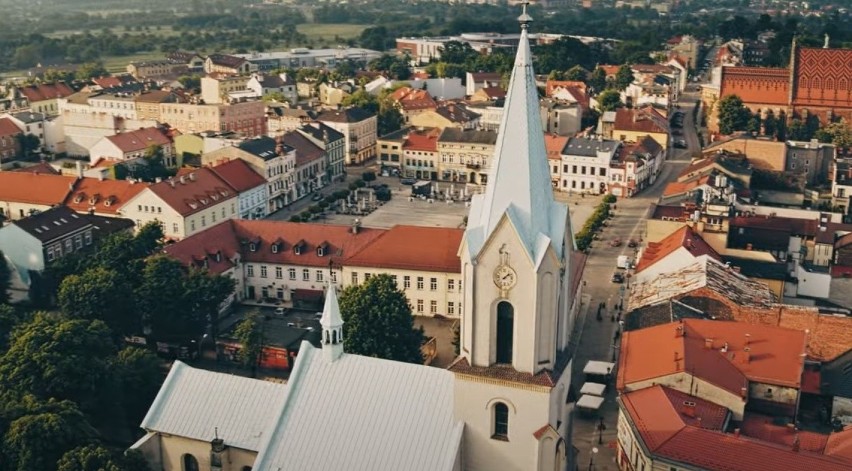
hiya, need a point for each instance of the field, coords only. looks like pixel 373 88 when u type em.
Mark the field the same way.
pixel 326 32
pixel 118 31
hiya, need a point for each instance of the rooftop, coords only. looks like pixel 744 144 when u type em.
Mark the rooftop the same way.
pixel 18 187
pixel 645 120
pixel 194 191
pixel 437 250
pixel 53 223
pixel 586 147
pixel 348 115
pixel 723 353
pixel 468 136
pixel 426 140
pixel 684 238
pixel 139 140
pixel 238 175
pixel 306 150
pixel 8 128
pixel 264 147
pixel 102 196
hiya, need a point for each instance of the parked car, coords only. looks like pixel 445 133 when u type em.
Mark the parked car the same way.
pixel 632 243
pixel 408 181
pixel 280 312
pixel 680 144
pixel 615 242
pixel 317 196
pixel 617 278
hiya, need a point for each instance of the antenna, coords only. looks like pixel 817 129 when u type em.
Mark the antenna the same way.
pixel 216 433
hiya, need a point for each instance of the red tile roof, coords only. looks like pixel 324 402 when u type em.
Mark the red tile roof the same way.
pixel 34 188
pixel 763 428
pixel 41 167
pixel 707 449
pixel 239 175
pixel 820 75
pixel 102 196
pixel 8 128
pixel 839 444
pixel 494 92
pixel 644 120
pixel 46 91
pixel 423 141
pixel 758 85
pixel 660 413
pixel 679 188
pixel 436 250
pixel 554 145
pixel 306 150
pixel 140 139
pixel 684 238
pixel 198 190
pixel 653 352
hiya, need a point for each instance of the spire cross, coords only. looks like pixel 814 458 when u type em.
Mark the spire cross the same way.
pixel 525 19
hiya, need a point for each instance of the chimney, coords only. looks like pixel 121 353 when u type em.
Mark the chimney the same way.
pixel 79 169
pixel 679 331
pixel 708 343
pixel 737 433
pixel 183 179
pixel 746 355
pixel 356 226
pixel 689 409
pixel 744 392
pixel 192 176
pixel 747 339
pixel 725 348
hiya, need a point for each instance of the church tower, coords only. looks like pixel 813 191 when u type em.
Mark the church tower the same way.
pixel 332 326
pixel 512 375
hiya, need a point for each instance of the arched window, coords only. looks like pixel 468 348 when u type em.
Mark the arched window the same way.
pixel 817 83
pixel 505 331
pixel 189 463
pixel 501 421
pixel 333 336
pixel 829 83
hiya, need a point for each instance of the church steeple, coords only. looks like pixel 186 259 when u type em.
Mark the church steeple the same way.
pixel 519 182
pixel 332 326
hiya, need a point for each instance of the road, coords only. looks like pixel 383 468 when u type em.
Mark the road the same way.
pixel 594 339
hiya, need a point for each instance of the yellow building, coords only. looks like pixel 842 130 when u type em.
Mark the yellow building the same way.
pixel 631 125
pixel 217 88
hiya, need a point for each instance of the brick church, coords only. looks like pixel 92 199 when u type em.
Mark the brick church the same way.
pixel 817 82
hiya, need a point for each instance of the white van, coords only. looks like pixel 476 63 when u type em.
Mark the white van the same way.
pixel 624 262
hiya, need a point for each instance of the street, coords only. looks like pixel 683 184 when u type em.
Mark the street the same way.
pixel 594 339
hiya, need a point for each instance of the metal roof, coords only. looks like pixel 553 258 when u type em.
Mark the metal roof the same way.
pixel 195 403
pixel 362 413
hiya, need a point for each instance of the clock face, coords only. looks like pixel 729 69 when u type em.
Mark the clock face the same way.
pixel 505 277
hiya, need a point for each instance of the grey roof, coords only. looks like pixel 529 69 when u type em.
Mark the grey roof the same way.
pixel 349 115
pixel 398 135
pixel 456 112
pixel 263 147
pixel 471 136
pixel 28 117
pixel 194 403
pixel 363 414
pixel 608 117
pixel 585 147
pixel 317 130
pixel 519 185
pixel 53 223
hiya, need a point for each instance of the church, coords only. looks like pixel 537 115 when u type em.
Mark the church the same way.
pixel 501 405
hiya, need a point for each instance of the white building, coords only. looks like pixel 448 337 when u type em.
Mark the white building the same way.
pixel 303 57
pixel 585 164
pixel 263 85
pixel 133 145
pixel 358 127
pixel 502 405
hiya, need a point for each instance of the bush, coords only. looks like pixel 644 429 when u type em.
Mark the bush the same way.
pixel 610 199
pixel 353 186
pixel 330 200
pixel 383 194
pixel 295 218
pixel 323 204
pixel 360 183
pixel 584 237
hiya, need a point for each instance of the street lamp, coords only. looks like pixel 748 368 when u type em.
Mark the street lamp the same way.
pixel 600 431
pixel 592 457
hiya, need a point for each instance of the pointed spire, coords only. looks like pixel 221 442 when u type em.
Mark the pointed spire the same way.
pixel 332 325
pixel 520 175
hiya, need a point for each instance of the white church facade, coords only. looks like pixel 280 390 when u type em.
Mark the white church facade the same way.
pixel 501 405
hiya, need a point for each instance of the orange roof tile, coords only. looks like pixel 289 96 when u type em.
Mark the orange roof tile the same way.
pixel 684 238
pixel 140 139
pixel 762 427
pixel 186 193
pixel 437 249
pixel 8 128
pixel 645 120
pixel 102 196
pixel 35 188
pixel 839 444
pixel 774 356
pixel 41 167
pixel 46 91
pixel 554 145
pixel 239 175
pixel 426 141
pixel 679 188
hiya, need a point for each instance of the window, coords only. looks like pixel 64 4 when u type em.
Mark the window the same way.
pixel 319 276
pixel 602 171
pixel 367 276
pixel 174 228
pixel 250 270
pixel 291 272
pixel 451 308
pixel 189 463
pixel 192 224
pixel 306 274
pixel 420 282
pixel 279 273
pixel 395 281
pixel 87 237
pixel 69 245
pixel 203 221
pixel 505 331
pixel 333 276
pixel 501 421
pixel 433 307
pixel 420 306
pixel 406 282
pixel 263 272
pixel 354 278
pixel 451 284
pixel 574 169
pixel 78 242
pixel 50 255
pixel 433 284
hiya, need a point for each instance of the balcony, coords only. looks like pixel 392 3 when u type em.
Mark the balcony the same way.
pixel 473 166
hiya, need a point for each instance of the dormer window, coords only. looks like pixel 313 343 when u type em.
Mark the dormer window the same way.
pixel 252 247
pixel 299 247
pixel 320 252
pixel 218 256
pixel 274 248
pixel 322 249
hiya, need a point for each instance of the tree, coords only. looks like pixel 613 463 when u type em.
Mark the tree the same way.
pixel 139 376
pixel 276 97
pixel 148 239
pixel 838 133
pixel 597 80
pixel 733 115
pixel 609 100
pixel 55 357
pixel 98 458
pixel 99 293
pixel 249 333
pixel 5 279
pixel 190 82
pixel 753 125
pixel 91 70
pixel 368 176
pixel 770 124
pixel 378 321
pixel 29 143
pixel 38 440
pixel 577 74
pixel 624 77
pixel 362 99
pixel 160 299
